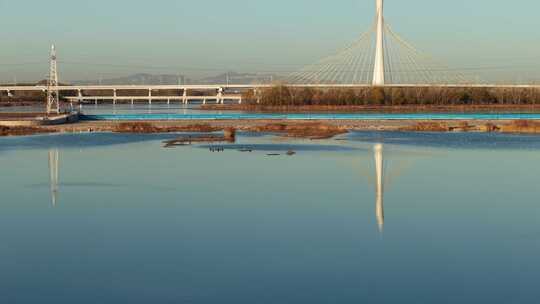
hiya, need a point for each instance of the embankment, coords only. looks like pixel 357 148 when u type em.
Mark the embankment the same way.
pixel 20 131
pixel 318 129
pixel 487 108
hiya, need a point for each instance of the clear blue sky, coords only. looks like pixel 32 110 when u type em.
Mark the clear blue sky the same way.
pixel 210 36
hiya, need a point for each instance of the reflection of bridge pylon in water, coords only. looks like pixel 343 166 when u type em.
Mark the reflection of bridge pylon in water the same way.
pixel 387 169
pixel 379 185
pixel 53 175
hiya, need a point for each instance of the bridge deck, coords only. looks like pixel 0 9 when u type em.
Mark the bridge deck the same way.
pixel 246 86
pixel 175 97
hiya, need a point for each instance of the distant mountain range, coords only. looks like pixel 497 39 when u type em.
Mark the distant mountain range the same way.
pixel 167 79
pixel 141 78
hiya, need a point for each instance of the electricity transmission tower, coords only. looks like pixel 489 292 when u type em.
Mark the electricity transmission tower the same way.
pixel 53 103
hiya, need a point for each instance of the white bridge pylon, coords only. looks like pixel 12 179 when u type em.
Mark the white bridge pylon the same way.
pixel 378 70
pixel 378 57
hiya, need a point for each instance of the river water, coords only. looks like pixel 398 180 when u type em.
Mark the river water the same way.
pixel 176 111
pixel 138 108
pixel 363 218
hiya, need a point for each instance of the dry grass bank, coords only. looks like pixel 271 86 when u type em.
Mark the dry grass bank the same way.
pixel 301 130
pixel 485 108
pixel 521 126
pixel 147 127
pixel 19 131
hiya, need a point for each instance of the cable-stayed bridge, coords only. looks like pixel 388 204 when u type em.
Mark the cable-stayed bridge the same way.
pixel 380 57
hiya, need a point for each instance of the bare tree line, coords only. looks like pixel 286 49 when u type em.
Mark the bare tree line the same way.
pixel 282 95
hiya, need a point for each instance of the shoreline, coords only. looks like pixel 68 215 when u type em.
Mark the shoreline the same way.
pixel 317 129
pixel 371 109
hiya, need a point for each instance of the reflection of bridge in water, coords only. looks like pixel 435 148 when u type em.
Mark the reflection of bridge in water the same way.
pixel 53 175
pixel 383 176
pixel 378 151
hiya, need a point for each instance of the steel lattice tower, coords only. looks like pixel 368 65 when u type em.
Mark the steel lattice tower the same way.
pixel 53 103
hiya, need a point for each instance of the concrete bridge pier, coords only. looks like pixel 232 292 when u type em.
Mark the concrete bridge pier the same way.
pixel 257 94
pixel 184 97
pixel 114 96
pixel 149 96
pixel 220 96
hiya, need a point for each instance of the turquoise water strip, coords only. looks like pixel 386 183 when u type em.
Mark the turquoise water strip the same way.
pixel 323 116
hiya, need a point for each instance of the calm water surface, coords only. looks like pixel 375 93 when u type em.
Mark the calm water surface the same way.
pixel 376 218
pixel 138 108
